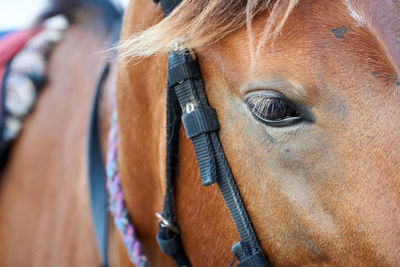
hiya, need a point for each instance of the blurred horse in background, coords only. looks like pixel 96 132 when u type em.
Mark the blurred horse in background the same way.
pixel 44 208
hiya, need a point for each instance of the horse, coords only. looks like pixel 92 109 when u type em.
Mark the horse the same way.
pixel 306 95
pixel 45 216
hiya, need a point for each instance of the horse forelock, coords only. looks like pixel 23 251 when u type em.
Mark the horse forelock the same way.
pixel 200 23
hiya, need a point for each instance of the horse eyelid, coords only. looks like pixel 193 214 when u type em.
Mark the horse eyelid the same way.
pixel 262 107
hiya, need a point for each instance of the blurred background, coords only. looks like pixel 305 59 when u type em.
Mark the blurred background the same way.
pixel 19 13
pixel 16 14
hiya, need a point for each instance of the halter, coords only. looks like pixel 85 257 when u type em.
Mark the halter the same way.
pixel 186 95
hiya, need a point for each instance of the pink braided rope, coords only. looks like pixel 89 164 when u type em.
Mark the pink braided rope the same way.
pixel 116 201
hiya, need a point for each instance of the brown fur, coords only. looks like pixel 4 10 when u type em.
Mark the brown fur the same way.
pixel 320 193
pixel 196 24
pixel 44 209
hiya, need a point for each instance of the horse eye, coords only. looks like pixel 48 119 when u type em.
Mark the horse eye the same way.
pixel 272 109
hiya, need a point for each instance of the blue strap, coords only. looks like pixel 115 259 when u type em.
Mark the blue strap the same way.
pixel 97 178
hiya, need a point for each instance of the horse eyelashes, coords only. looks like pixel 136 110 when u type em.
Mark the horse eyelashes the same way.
pixel 271 109
pixel 268 108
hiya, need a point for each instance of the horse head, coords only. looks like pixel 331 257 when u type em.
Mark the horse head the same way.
pixel 306 94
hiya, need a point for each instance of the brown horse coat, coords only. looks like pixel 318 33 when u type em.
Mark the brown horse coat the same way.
pixel 326 192
pixel 44 210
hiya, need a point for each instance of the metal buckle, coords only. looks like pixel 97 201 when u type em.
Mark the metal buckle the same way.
pixel 166 224
pixel 189 107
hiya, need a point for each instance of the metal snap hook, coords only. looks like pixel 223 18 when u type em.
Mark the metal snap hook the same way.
pixel 166 224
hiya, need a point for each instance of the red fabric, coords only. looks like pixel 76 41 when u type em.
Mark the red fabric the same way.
pixel 11 44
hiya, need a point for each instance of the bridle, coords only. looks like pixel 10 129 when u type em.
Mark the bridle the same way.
pixel 186 95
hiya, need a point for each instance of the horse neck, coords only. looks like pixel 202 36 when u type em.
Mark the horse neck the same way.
pixel 141 109
pixel 54 185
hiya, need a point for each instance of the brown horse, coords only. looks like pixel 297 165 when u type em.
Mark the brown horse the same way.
pixel 320 183
pixel 322 189
pixel 44 210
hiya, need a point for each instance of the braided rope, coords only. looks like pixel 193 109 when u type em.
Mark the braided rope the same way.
pixel 116 201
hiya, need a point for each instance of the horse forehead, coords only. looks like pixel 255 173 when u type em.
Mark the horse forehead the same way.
pixel 231 55
pixel 381 18
pixel 234 50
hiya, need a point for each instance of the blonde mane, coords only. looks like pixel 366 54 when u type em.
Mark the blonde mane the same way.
pixel 198 23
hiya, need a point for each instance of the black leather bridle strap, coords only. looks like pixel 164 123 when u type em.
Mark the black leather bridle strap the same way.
pixel 168 236
pixel 169 239
pixel 186 92
pixel 201 125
